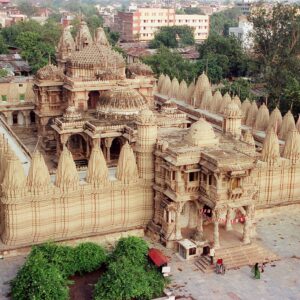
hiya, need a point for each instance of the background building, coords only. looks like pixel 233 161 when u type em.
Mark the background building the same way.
pixel 144 22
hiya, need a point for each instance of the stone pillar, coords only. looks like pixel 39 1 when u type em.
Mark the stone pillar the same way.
pixel 178 235
pixel 107 143
pixel 199 228
pixel 9 118
pixel 27 118
pixel 216 230
pixel 228 219
pixel 247 227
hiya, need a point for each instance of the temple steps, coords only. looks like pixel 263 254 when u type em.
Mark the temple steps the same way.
pixel 238 256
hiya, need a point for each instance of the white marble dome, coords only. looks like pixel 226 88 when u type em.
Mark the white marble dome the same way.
pixel 201 133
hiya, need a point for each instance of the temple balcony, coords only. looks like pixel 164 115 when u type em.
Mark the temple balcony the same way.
pixel 235 193
pixel 192 186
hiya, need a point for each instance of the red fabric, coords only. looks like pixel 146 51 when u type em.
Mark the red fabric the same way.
pixel 157 257
pixel 220 261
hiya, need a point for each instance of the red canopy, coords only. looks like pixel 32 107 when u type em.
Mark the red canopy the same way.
pixel 157 257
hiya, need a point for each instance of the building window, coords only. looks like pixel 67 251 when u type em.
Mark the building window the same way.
pixel 22 97
pixel 192 251
pixel 20 85
pixel 193 176
pixel 4 97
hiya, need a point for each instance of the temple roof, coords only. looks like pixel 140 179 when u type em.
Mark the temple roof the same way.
pixel 201 133
pixel 121 100
pixel 97 55
pixel 50 72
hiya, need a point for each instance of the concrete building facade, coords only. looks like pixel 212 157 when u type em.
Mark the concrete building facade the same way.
pixel 142 24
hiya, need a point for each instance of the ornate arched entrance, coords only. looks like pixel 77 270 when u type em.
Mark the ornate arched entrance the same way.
pixel 78 147
pixel 115 148
pixel 188 219
pixel 93 99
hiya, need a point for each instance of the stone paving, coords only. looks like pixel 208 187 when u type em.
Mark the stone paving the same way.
pixel 281 279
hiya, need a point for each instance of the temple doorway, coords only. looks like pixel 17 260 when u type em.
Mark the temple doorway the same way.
pixel 93 99
pixel 32 117
pixel 78 147
pixel 115 149
pixel 188 219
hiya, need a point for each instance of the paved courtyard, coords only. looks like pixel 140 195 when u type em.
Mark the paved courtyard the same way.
pixel 281 279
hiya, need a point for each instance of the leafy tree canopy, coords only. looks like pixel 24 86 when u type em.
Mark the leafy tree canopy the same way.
pixel 190 11
pixel 221 21
pixel 276 35
pixel 171 63
pixel 173 37
pixel 240 87
pixel 228 51
pixel 27 8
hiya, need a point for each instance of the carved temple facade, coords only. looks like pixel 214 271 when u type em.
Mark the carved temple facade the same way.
pixel 171 161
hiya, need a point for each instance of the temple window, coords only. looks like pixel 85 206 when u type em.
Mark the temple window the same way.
pixel 169 216
pixel 4 98
pixel 235 183
pixel 193 176
pixel 172 175
pixel 22 97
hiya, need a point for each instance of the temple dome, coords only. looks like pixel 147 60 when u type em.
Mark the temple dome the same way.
pixel 146 116
pixel 50 72
pixel 121 101
pixel 71 114
pixel 201 133
pixel 232 110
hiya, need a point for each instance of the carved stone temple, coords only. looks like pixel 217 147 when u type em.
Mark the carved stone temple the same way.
pixel 116 151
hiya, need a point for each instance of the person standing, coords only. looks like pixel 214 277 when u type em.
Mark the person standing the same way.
pixel 212 254
pixel 256 271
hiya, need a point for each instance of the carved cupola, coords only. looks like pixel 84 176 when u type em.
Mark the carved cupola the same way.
pixel 127 170
pixel 14 181
pixel 292 146
pixel 262 118
pixel 83 36
pixel 100 38
pixel 66 174
pixel 225 101
pixel 217 101
pixel 66 44
pixel 201 85
pixel 232 119
pixel 38 179
pixel 275 120
pixel 270 152
pixel 97 173
pixel 251 117
pixel 288 123
pixel 160 82
pixel 245 109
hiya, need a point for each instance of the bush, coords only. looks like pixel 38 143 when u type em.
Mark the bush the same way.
pixel 129 276
pixel 39 280
pixel 89 257
pixel 134 248
pixel 61 257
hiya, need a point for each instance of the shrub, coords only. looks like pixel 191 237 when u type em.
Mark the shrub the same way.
pixel 129 276
pixel 59 256
pixel 89 257
pixel 134 248
pixel 39 280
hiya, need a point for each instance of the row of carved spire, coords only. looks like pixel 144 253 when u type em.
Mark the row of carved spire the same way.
pixel 200 95
pixel 38 182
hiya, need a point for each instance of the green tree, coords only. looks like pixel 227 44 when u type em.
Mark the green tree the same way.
pixel 240 87
pixel 89 257
pixel 219 46
pixel 173 37
pixel 39 280
pixel 3 46
pixel 3 73
pixel 27 8
pixel 34 49
pixel 221 21
pixel 172 64
pixel 129 275
pixel 93 22
pixel 276 35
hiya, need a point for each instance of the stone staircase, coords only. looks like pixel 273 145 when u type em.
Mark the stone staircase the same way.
pixel 238 256
pixel 203 264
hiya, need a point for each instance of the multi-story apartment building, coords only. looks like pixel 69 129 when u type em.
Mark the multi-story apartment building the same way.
pixel 144 22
